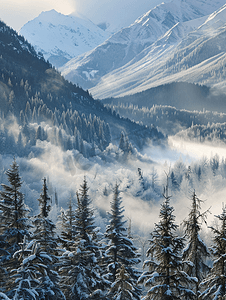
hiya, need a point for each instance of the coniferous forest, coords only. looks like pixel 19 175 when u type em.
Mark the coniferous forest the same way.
pixel 97 203
pixel 74 259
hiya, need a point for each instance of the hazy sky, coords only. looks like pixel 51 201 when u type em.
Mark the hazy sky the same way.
pixel 16 13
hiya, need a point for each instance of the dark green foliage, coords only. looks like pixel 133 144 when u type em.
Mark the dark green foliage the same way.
pixel 165 278
pixel 174 183
pixel 196 252
pixel 80 267
pixel 14 210
pixel 44 235
pixel 67 226
pixel 13 222
pixel 215 282
pixel 122 288
pixel 44 232
pixel 27 274
pixel 35 277
pixel 120 249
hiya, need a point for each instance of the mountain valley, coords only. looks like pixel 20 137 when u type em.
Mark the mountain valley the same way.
pixel 118 132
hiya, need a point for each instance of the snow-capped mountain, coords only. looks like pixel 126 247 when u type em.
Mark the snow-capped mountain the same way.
pixel 149 38
pixel 199 57
pixel 60 37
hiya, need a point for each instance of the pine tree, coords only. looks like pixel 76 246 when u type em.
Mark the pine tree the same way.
pixel 215 282
pixel 120 249
pixel 80 272
pixel 196 251
pixel 14 222
pixel 26 275
pixel 67 219
pixel 122 142
pixel 44 234
pixel 174 181
pixel 122 288
pixel 165 276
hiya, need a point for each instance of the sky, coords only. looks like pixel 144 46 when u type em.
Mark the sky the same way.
pixel 16 13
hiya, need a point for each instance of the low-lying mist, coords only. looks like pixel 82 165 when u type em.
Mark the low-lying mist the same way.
pixel 189 166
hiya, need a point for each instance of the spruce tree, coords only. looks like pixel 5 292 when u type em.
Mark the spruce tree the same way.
pixel 165 276
pixel 14 223
pixel 120 249
pixel 44 234
pixel 215 283
pixel 14 216
pixel 67 227
pixel 122 289
pixel 80 272
pixel 27 274
pixel 196 252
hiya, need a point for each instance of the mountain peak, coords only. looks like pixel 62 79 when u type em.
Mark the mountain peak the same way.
pixel 61 37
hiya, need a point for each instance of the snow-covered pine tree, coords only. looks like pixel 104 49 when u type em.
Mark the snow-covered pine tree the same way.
pixel 122 288
pixel 66 224
pixel 14 216
pixel 196 252
pixel 79 270
pixel 27 274
pixel 44 227
pixel 13 220
pixel 120 249
pixel 44 234
pixel 215 283
pixel 165 276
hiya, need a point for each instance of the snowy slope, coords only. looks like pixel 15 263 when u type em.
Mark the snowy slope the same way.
pixel 132 42
pixel 200 57
pixel 61 37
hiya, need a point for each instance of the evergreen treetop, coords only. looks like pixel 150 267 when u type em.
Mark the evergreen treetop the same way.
pixel 14 216
pixel 80 266
pixel 14 224
pixel 215 282
pixel 67 226
pixel 120 249
pixel 47 250
pixel 44 231
pixel 165 276
pixel 196 252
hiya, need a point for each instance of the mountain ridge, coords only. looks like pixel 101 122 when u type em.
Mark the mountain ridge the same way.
pixel 143 36
pixel 61 37
pixel 46 107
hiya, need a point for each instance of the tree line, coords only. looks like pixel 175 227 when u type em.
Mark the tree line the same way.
pixel 73 259
pixel 172 120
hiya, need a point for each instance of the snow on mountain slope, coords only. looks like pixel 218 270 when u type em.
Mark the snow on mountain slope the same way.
pixel 200 57
pixel 61 37
pixel 89 68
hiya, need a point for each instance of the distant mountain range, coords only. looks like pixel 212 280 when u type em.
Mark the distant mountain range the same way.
pixel 182 40
pixel 140 56
pixel 198 56
pixel 60 37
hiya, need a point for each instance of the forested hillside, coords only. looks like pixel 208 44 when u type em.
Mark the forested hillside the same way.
pixel 182 95
pixel 168 119
pixel 46 107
